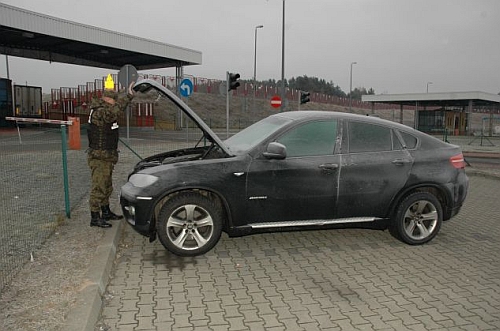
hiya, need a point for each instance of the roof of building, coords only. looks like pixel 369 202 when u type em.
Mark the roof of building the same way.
pixel 447 99
pixel 28 34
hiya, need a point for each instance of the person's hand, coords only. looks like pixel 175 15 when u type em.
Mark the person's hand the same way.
pixel 130 89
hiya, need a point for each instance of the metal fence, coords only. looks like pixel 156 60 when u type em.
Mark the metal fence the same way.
pixel 32 200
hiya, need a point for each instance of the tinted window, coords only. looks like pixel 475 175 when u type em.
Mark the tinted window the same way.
pixel 313 138
pixel 365 137
pixel 396 143
pixel 410 141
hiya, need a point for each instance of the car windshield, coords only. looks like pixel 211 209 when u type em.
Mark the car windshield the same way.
pixel 254 134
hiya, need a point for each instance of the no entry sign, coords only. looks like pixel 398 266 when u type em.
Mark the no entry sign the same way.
pixel 276 101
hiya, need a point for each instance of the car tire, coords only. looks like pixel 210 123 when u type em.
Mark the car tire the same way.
pixel 418 218
pixel 189 224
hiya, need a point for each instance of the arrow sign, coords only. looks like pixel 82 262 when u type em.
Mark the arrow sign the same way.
pixel 186 87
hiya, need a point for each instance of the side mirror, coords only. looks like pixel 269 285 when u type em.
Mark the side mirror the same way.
pixel 275 151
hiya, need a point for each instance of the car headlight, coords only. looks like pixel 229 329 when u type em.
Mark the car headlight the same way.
pixel 142 180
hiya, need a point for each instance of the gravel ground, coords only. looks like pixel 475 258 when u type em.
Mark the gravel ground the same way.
pixel 45 289
pixel 41 295
pixel 32 201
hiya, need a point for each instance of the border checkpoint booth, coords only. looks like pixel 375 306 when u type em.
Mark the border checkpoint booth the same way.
pixel 447 112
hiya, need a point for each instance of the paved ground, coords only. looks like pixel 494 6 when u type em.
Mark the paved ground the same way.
pixel 317 280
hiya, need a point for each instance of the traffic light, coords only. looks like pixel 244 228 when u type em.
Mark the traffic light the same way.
pixel 304 97
pixel 233 82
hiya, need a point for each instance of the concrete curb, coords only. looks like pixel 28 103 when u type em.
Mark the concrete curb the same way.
pixel 482 173
pixel 482 154
pixel 87 307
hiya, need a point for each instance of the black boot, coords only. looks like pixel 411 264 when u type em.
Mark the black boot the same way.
pixel 96 220
pixel 108 215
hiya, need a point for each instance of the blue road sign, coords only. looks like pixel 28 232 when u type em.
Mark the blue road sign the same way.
pixel 186 87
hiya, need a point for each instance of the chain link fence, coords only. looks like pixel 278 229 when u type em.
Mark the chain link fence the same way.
pixel 32 199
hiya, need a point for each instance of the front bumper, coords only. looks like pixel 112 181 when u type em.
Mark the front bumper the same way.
pixel 138 211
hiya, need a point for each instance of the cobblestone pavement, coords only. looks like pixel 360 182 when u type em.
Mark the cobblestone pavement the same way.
pixel 317 280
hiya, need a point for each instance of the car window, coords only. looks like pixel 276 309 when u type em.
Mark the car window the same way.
pixel 410 141
pixel 312 138
pixel 396 143
pixel 254 134
pixel 366 137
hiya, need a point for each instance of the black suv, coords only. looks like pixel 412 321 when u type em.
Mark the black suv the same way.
pixel 291 171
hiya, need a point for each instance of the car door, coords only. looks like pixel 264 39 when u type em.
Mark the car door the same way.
pixel 302 186
pixel 375 167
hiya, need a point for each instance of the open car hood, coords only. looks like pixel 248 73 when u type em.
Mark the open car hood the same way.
pixel 147 84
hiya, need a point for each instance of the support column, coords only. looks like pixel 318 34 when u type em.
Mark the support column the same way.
pixel 490 129
pixel 179 73
pixel 467 118
pixel 415 116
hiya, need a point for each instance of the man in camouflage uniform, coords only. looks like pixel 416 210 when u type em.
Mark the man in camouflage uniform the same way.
pixel 103 152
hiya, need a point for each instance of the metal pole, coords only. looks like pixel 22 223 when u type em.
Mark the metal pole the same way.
pixel 255 65
pixel 283 60
pixel 65 170
pixel 127 110
pixel 227 104
pixel 428 86
pixel 179 73
pixel 13 111
pixel 350 87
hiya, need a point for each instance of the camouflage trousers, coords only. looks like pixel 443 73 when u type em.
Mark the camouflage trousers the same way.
pixel 101 173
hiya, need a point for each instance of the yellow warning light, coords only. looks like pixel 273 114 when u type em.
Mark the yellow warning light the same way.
pixel 109 84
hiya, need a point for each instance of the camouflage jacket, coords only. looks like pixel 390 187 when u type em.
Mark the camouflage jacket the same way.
pixel 103 113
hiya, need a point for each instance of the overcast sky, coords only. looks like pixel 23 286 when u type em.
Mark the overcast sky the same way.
pixel 399 45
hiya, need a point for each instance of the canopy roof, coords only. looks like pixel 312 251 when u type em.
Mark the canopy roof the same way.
pixel 476 100
pixel 33 35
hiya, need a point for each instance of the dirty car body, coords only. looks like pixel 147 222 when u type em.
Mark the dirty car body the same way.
pixel 294 170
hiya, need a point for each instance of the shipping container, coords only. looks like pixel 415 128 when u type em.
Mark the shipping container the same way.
pixel 5 102
pixel 27 101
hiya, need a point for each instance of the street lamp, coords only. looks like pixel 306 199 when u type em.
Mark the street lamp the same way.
pixel 283 60
pixel 255 65
pixel 350 87
pixel 428 83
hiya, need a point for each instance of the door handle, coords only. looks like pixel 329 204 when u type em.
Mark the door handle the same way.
pixel 400 162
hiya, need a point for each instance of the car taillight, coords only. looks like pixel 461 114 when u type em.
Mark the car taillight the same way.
pixel 458 161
